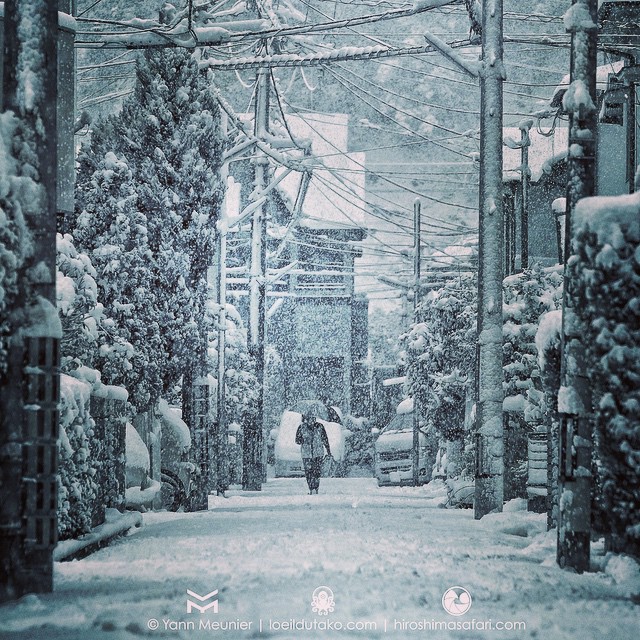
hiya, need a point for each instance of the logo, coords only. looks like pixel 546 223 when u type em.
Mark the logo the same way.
pixel 322 601
pixel 204 607
pixel 456 601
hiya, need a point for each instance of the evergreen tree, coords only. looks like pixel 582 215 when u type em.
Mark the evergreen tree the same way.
pixel 149 190
pixel 441 359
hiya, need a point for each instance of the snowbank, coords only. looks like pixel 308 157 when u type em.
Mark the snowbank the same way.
pixel 115 523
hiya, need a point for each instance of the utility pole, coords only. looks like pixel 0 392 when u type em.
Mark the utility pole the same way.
pixel 525 176
pixel 416 299
pixel 253 441
pixel 489 475
pixel 221 420
pixel 222 475
pixel 574 398
pixel 29 386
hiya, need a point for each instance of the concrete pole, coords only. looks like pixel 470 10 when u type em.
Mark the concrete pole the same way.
pixel 253 442
pixel 574 398
pixel 222 475
pixel 28 530
pixel 416 302
pixel 525 142
pixel 489 484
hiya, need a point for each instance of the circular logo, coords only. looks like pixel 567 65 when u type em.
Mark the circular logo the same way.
pixel 456 601
pixel 322 601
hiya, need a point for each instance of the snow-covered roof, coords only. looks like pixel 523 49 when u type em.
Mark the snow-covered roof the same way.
pixel 335 197
pixel 542 151
pixel 602 76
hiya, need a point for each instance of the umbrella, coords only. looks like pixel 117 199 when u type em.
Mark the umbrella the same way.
pixel 313 407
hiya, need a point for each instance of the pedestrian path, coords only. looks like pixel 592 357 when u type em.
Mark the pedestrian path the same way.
pixel 356 561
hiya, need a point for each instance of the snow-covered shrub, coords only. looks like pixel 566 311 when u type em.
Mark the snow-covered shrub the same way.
pixel 77 489
pixel 605 288
pixel 548 346
pixel 240 380
pixel 15 239
pixel 527 296
pixel 81 315
pixel 86 333
pixel 441 349
pixel 359 448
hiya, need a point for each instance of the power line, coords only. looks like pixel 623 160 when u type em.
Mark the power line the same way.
pixel 204 36
pixel 396 184
pixel 382 113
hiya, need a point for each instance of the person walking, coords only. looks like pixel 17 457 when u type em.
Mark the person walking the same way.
pixel 312 436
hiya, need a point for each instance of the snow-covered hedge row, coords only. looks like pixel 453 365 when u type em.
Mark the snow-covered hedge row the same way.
pixel 15 239
pixel 90 446
pixel 605 276
pixel 528 296
pixel 77 489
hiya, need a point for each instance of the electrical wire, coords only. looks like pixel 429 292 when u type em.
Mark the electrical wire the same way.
pixel 385 115
pixel 404 187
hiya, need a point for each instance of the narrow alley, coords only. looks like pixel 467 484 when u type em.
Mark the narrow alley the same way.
pixel 386 555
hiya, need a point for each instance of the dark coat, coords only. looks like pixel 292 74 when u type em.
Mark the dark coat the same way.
pixel 312 436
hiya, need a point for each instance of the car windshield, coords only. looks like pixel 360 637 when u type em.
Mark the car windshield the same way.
pixel 400 422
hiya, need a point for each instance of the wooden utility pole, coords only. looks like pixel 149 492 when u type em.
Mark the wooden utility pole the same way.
pixel 253 441
pixel 29 387
pixel 489 483
pixel 416 302
pixel 574 398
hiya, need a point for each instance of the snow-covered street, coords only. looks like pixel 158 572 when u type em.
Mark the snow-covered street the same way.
pixel 388 555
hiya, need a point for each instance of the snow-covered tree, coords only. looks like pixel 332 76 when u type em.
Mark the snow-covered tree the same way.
pixel 240 382
pixel 148 199
pixel 527 296
pixel 113 231
pixel 441 360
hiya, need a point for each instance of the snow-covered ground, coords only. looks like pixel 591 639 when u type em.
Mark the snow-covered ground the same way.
pixel 388 555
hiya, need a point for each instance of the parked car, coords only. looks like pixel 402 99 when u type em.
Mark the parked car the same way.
pixel 394 450
pixel 288 458
pixel 176 470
